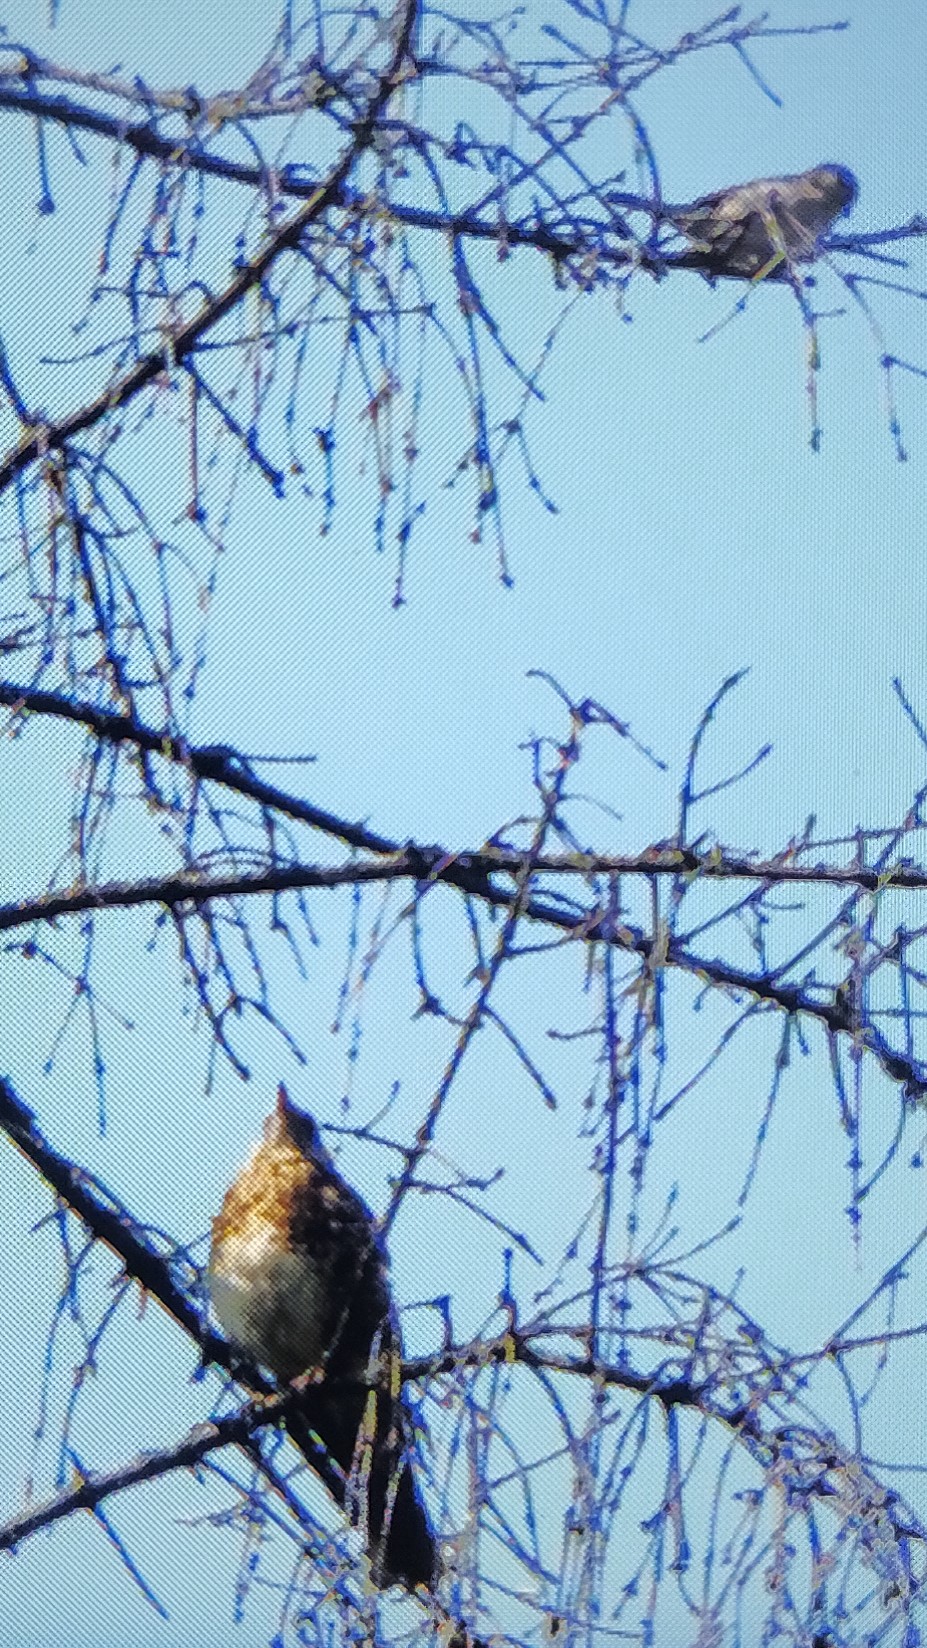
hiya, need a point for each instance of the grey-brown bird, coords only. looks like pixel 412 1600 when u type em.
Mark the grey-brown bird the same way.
pixel 752 229
pixel 298 1280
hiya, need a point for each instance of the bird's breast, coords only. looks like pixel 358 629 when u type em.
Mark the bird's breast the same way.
pixel 270 1298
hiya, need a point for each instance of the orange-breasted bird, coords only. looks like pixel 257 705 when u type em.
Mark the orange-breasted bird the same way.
pixel 299 1281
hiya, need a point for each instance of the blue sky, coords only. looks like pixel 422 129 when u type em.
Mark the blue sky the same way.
pixel 695 534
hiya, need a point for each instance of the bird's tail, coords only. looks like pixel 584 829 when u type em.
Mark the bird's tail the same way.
pixel 379 1487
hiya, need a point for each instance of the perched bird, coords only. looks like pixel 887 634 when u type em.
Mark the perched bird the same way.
pixel 752 229
pixel 298 1281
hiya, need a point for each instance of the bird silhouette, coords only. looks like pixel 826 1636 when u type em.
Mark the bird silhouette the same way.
pixel 299 1281
pixel 752 229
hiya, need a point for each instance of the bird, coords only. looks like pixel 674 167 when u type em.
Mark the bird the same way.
pixel 751 230
pixel 298 1279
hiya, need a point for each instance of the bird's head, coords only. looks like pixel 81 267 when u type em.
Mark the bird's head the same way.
pixel 288 1125
pixel 838 184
